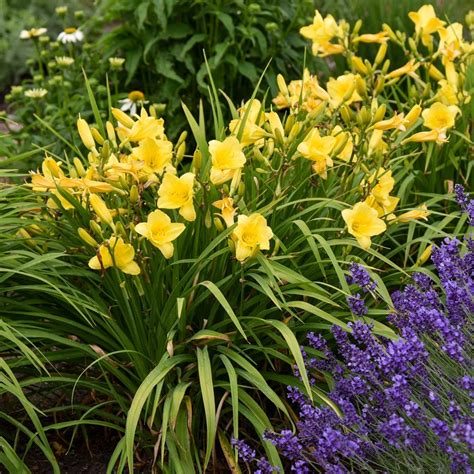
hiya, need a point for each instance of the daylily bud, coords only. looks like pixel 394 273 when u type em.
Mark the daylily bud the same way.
pixel 282 85
pixel 381 54
pixel 97 136
pixel 390 32
pixel 379 85
pixel 425 255
pixel 197 159
pixel 241 190
pixel 134 194
pixel 346 114
pixel 181 138
pixel 386 66
pixel 86 237
pixel 412 46
pixel 361 87
pixel 357 27
pixel 79 167
pixel 105 152
pixel 359 65
pixel 111 132
pixel 85 134
pixel 101 209
pixel 96 229
pixel 290 121
pixel 180 152
pixel 120 229
pixel 122 117
pixel 435 73
pixel 208 219
pixel 295 130
pixel 231 245
pixel 380 113
pixel 412 116
pixel 218 224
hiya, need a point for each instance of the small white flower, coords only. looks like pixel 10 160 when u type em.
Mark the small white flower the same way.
pixel 36 93
pixel 33 33
pixel 70 35
pixel 134 100
pixel 64 61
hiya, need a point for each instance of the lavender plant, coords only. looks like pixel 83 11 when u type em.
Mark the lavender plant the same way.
pixel 404 405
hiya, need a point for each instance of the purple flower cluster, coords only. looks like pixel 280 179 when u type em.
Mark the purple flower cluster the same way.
pixel 464 202
pixel 408 399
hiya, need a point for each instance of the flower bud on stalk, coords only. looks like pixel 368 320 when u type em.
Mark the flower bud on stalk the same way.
pixel 381 54
pixel 208 219
pixel 134 195
pixel 290 121
pixel 390 32
pixel 120 229
pixel 96 229
pixel 111 133
pixel 180 153
pixel 295 130
pixel 386 66
pixel 379 85
pixel 105 152
pixel 85 134
pixel 97 136
pixel 435 73
pixel 101 209
pixel 380 113
pixel 86 237
pixel 181 138
pixel 282 85
pixel 412 46
pixel 424 256
pixel 346 114
pixel 218 224
pixel 197 161
pixel 357 27
pixel 123 118
pixel 359 65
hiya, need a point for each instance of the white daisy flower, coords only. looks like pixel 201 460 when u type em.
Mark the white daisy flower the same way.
pixel 33 33
pixel 71 35
pixel 134 100
pixel 36 93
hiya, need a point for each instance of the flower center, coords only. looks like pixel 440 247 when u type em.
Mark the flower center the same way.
pixel 250 238
pixel 70 30
pixel 136 96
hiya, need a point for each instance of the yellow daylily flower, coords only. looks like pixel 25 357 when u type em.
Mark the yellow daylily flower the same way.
pixel 397 122
pixel 432 136
pixel 440 116
pixel 252 130
pixel 384 186
pixel 156 155
pixel 342 90
pixel 321 32
pixel 251 234
pixel 136 130
pixel 226 206
pixel 100 208
pixel 177 193
pixel 160 231
pixel 426 23
pixel 318 149
pixel 115 253
pixel 420 213
pixel 344 145
pixel 363 223
pixel 451 44
pixel 376 143
pixel 227 158
pixel 385 210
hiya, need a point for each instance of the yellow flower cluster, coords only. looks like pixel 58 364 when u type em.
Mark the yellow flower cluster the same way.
pixel 143 192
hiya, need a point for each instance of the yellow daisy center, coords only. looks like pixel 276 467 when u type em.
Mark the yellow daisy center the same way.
pixel 70 31
pixel 136 96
